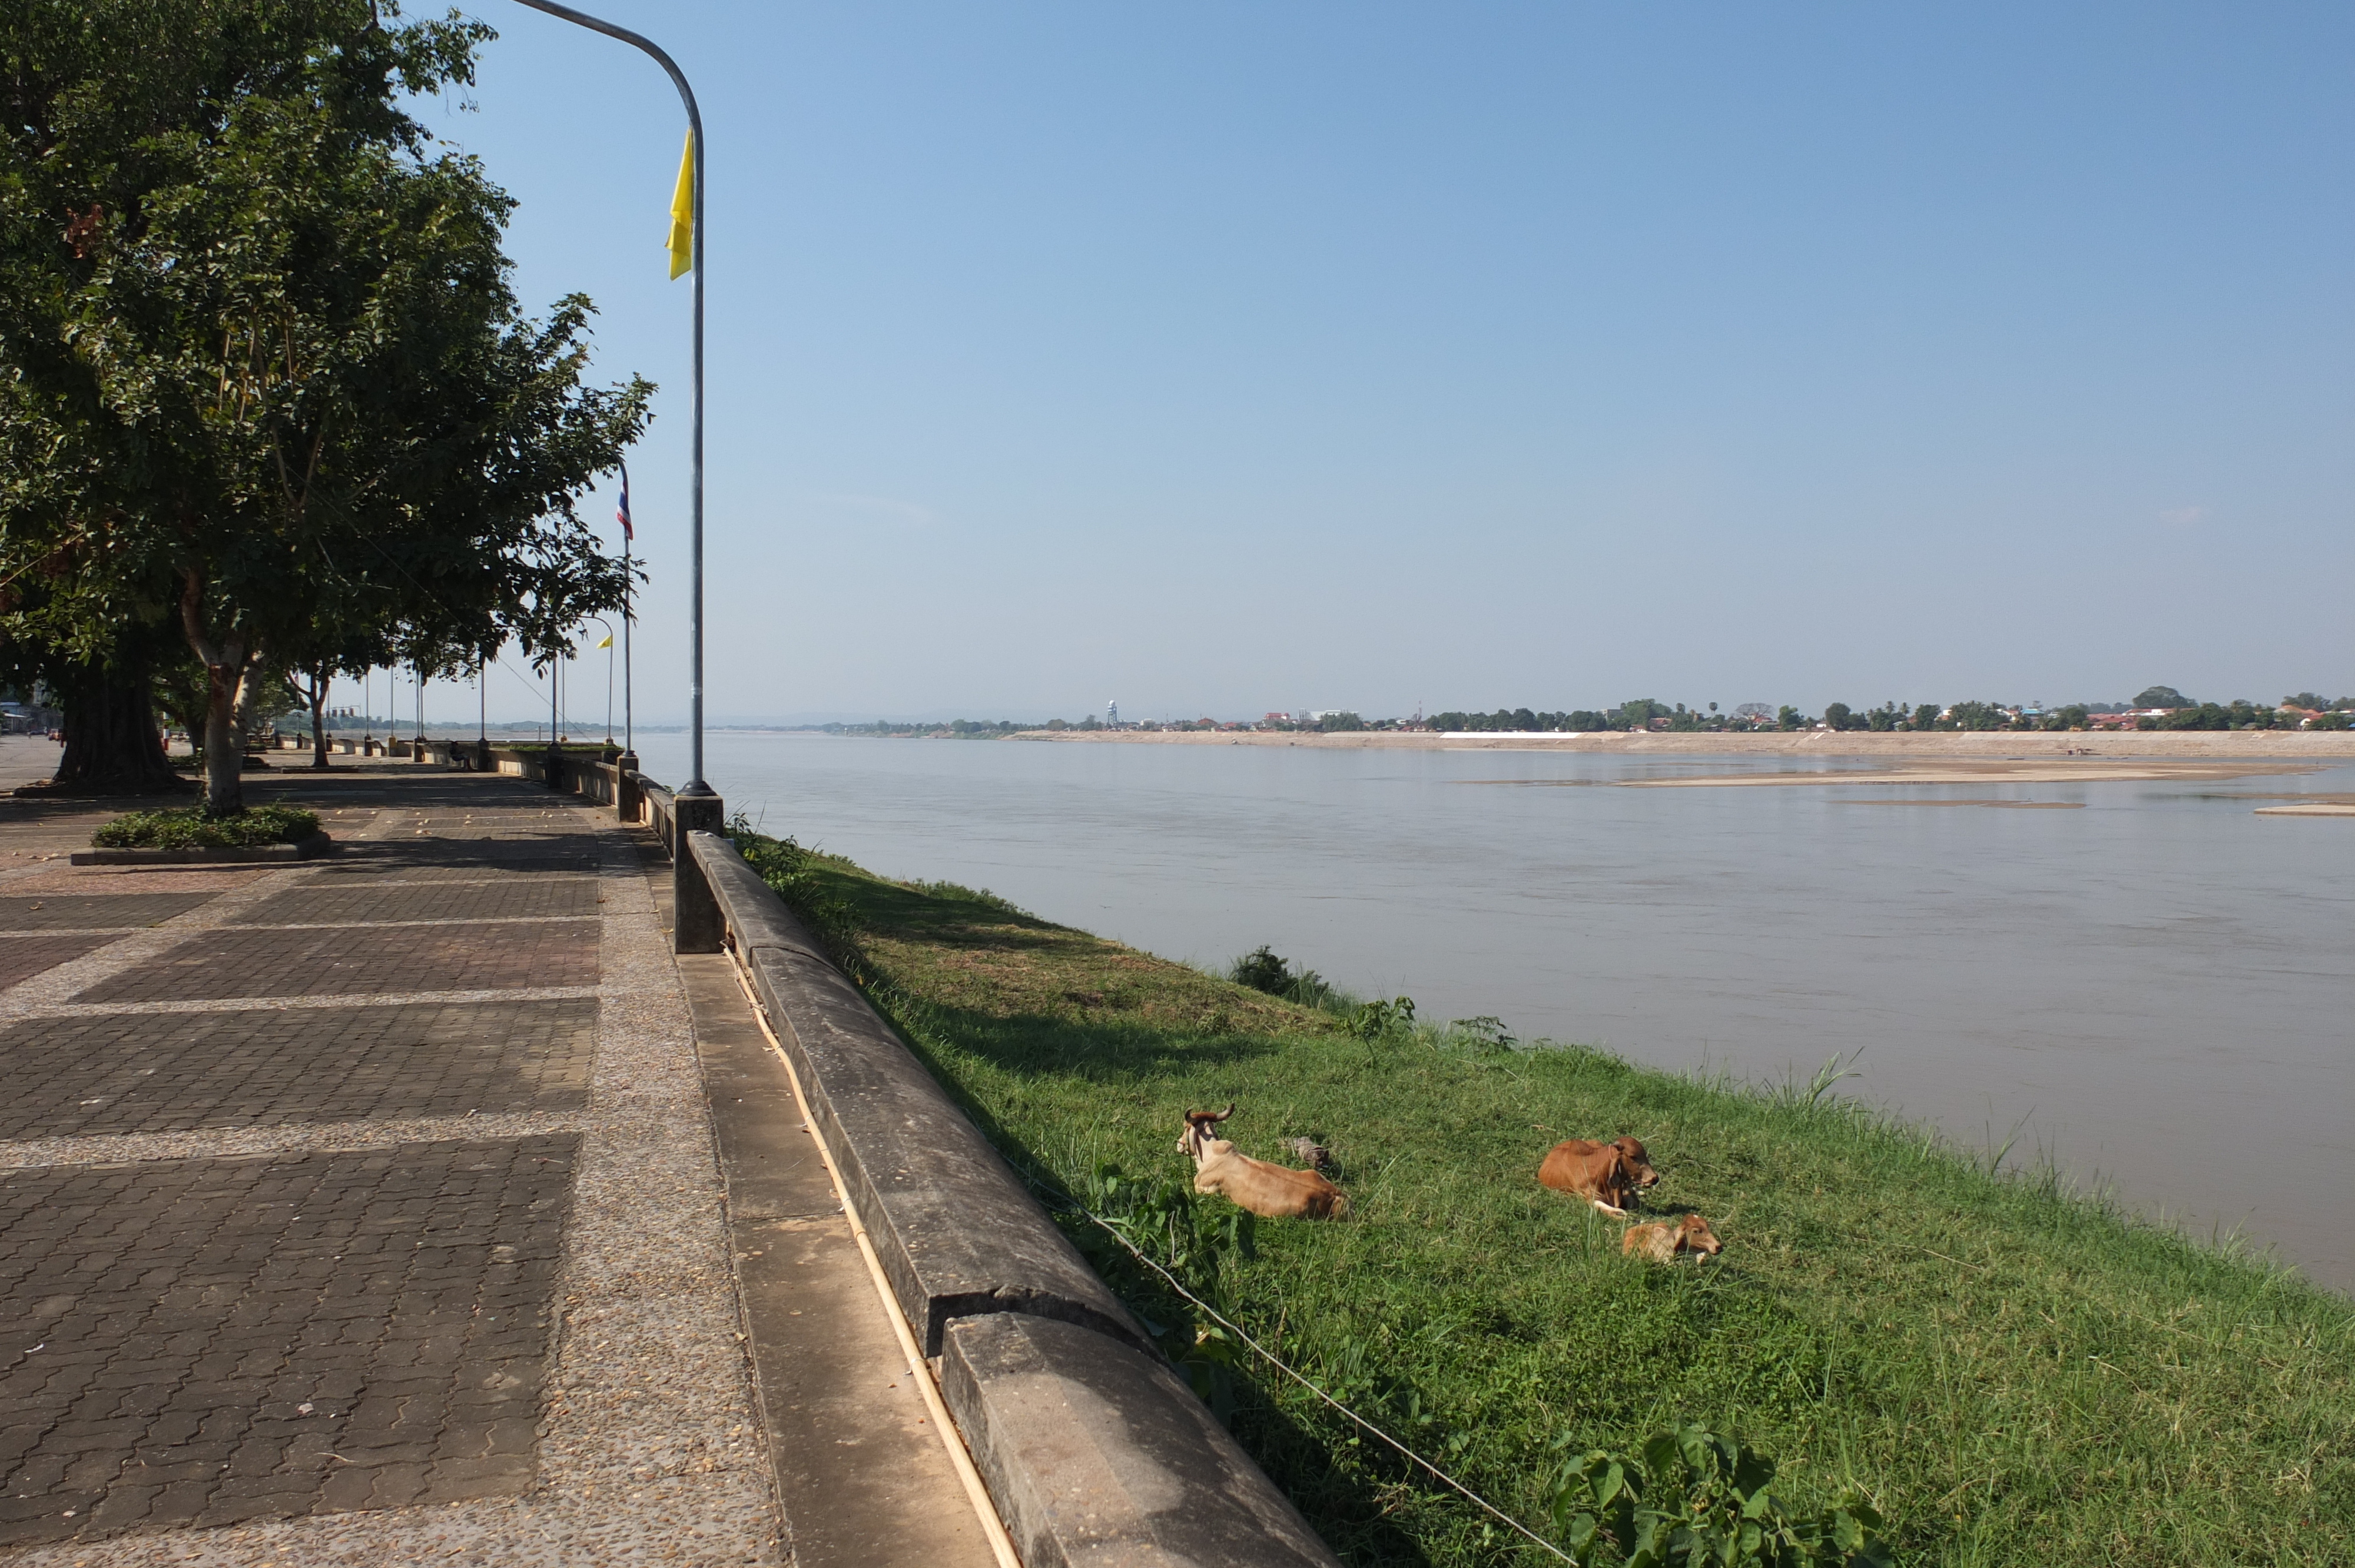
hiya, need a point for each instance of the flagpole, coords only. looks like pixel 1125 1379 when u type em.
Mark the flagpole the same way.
pixel 695 785
pixel 629 736
pixel 629 534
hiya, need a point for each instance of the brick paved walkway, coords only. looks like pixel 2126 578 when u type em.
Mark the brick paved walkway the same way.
pixel 365 1211
pixel 134 1072
pixel 352 959
pixel 222 1340
pixel 22 958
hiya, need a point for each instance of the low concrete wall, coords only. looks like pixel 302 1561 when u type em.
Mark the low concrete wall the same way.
pixel 1093 1450
pixel 662 813
pixel 433 753
pixel 1094 1454
pixel 576 772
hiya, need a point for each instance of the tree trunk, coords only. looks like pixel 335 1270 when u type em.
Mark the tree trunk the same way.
pixel 228 665
pixel 224 754
pixel 315 691
pixel 111 744
pixel 251 689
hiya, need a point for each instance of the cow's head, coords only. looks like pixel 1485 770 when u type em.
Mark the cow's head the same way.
pixel 1636 1164
pixel 1694 1234
pixel 1201 1131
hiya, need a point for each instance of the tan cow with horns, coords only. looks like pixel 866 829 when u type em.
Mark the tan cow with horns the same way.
pixel 1272 1191
pixel 1607 1175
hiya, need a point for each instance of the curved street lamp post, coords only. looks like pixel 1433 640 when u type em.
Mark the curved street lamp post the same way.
pixel 696 923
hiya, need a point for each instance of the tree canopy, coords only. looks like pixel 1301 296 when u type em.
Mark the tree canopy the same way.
pixel 266 381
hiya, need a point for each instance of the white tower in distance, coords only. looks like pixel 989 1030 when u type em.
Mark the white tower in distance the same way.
pixel 1112 715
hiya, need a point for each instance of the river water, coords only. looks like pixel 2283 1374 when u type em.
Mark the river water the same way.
pixel 2156 990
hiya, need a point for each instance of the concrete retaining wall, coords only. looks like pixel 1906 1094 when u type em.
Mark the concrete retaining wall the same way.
pixel 661 813
pixel 576 773
pixel 1093 1450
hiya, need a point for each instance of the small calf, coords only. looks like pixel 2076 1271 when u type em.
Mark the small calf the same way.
pixel 1662 1241
pixel 1607 1175
pixel 1266 1190
pixel 1309 1152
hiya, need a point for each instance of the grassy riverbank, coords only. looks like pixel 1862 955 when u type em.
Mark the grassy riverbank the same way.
pixel 2014 1374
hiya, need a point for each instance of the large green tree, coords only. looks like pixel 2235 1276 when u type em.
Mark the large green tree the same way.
pixel 265 378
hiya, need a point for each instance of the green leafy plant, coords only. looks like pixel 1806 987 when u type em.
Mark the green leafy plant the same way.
pixel 787 868
pixel 1161 1219
pixel 1695 1498
pixel 192 827
pixel 1487 1031
pixel 1379 1020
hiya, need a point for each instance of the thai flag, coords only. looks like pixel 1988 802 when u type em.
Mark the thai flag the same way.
pixel 622 516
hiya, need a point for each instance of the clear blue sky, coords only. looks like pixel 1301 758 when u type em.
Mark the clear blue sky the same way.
pixel 1225 357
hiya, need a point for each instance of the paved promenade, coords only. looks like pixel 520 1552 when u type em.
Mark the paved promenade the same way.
pixel 368 1211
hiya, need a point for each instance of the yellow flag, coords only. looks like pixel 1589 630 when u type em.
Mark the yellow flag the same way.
pixel 608 642
pixel 682 212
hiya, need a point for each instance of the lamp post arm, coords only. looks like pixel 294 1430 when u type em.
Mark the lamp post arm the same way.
pixel 695 785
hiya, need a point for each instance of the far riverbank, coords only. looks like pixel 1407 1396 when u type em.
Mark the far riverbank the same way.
pixel 1951 744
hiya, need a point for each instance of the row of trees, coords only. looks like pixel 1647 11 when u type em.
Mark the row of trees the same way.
pixel 2302 709
pixel 269 408
pixel 951 729
pixel 1645 713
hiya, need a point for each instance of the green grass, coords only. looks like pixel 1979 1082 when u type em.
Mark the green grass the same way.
pixel 2014 1374
pixel 191 826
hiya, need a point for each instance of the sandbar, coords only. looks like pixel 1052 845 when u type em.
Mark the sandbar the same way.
pixel 2022 771
pixel 1996 805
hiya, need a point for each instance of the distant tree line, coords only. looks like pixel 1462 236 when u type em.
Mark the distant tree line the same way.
pixel 2156 707
pixel 948 729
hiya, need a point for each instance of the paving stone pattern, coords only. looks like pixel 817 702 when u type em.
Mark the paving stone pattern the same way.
pixel 200 1341
pixel 22 958
pixel 458 858
pixel 509 899
pixel 99 911
pixel 60 877
pixel 266 961
pixel 140 1073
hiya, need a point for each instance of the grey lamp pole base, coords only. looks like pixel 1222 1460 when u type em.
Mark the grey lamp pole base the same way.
pixel 696 926
pixel 629 800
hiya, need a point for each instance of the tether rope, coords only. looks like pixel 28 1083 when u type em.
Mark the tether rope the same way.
pixel 1304 1381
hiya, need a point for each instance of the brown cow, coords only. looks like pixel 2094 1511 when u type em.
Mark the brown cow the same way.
pixel 1608 1175
pixel 1263 1189
pixel 1662 1241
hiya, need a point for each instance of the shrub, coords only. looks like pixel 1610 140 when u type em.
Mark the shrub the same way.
pixel 1262 970
pixel 1695 1498
pixel 191 826
pixel 1379 1020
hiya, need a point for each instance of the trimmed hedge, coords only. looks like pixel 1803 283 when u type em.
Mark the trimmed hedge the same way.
pixel 188 827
